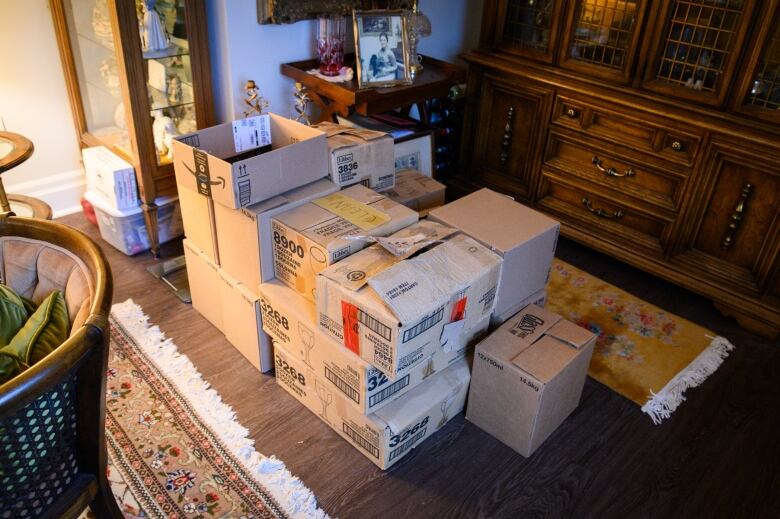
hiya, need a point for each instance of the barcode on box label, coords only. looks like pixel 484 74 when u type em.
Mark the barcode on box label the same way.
pixel 389 391
pixel 190 140
pixel 360 441
pixel 423 325
pixel 244 192
pixel 342 385
pixel 408 444
pixel 374 325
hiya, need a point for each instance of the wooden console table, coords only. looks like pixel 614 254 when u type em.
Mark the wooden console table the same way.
pixel 338 98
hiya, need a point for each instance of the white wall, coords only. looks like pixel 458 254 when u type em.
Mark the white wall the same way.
pixel 242 49
pixel 34 103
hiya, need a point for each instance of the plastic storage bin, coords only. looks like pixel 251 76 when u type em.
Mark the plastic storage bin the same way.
pixel 126 229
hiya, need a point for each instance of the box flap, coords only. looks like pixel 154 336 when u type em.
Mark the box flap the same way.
pixel 570 333
pixel 351 135
pixel 414 286
pixel 528 325
pixel 415 237
pixel 354 271
pixel 545 358
pixel 494 219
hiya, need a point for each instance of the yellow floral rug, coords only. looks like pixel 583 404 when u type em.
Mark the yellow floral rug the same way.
pixel 642 352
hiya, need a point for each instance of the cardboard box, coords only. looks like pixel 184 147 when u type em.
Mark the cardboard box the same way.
pixel 416 191
pixel 203 162
pixel 245 237
pixel 359 156
pixel 242 323
pixel 525 238
pixel 197 213
pixel 539 299
pixel 311 237
pixel 390 433
pixel 110 177
pixel 291 320
pixel 395 312
pixel 528 377
pixel 204 279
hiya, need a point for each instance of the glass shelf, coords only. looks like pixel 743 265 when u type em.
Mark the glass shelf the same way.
pixel 175 49
pixel 698 43
pixel 602 32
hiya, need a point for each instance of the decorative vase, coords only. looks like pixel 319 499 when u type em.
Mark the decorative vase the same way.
pixel 331 30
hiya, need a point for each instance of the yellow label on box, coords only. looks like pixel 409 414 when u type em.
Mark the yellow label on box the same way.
pixel 357 213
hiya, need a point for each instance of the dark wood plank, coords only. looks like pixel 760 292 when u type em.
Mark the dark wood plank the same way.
pixel 717 456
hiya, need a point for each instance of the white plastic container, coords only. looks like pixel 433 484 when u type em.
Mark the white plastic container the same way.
pixel 126 230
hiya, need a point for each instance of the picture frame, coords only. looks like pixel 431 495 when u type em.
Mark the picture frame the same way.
pixel 382 47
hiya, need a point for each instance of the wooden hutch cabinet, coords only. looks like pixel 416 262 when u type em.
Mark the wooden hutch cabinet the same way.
pixel 120 88
pixel 649 128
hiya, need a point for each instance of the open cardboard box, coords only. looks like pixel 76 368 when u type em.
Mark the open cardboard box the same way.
pixel 202 163
pixel 396 312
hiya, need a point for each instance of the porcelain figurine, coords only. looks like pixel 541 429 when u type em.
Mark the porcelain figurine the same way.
pixel 153 35
pixel 164 130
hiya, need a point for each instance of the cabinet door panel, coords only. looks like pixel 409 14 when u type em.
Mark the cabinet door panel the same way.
pixel 601 37
pixel 510 128
pixel 737 237
pixel 758 90
pixel 529 28
pixel 695 47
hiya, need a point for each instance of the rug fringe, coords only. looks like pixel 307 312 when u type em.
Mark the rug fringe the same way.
pixel 661 405
pixel 288 490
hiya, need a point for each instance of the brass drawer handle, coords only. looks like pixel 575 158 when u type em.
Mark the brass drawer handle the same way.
pixel 737 216
pixel 601 213
pixel 611 172
pixel 571 113
pixel 677 146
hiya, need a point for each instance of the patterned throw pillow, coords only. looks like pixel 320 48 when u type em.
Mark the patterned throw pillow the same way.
pixel 43 332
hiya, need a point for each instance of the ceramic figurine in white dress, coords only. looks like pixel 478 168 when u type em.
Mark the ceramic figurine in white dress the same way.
pixel 153 33
pixel 164 130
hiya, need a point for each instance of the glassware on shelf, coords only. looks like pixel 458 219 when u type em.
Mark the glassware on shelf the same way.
pixel 699 39
pixel 331 31
pixel 602 32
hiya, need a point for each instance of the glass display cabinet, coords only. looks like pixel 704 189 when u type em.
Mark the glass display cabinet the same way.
pixel 138 74
pixel 649 128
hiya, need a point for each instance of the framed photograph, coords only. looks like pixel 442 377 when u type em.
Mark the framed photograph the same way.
pixel 382 48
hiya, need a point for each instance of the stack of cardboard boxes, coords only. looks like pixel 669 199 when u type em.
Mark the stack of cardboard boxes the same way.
pixel 371 313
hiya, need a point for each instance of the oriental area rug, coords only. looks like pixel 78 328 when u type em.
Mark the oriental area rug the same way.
pixel 642 352
pixel 175 449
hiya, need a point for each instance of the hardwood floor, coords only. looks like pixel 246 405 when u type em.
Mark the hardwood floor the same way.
pixel 717 456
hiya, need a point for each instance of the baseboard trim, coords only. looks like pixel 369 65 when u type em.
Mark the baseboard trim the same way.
pixel 61 191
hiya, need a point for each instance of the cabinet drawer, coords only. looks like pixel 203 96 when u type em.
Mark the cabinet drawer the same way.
pixel 590 160
pixel 599 215
pixel 637 130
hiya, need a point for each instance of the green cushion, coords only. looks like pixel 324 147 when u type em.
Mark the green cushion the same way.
pixel 13 314
pixel 47 328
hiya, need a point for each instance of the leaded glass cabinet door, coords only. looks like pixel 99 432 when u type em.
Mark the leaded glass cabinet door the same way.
pixel 695 47
pixel 602 37
pixel 758 93
pixel 528 28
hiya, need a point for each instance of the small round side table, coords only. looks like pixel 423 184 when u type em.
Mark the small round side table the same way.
pixel 15 149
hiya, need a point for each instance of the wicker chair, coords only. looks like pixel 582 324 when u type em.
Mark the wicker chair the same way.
pixel 52 416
